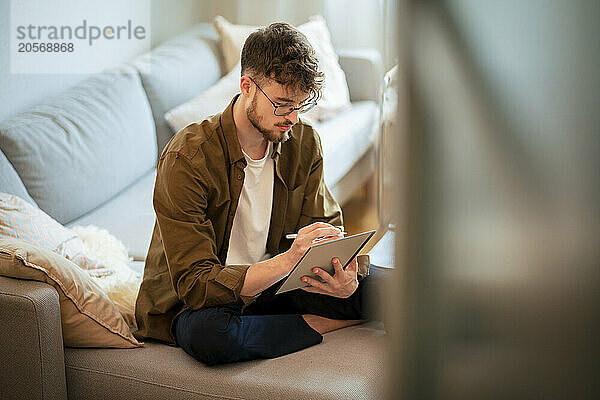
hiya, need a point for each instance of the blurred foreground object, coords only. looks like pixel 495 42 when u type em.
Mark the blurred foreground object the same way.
pixel 499 265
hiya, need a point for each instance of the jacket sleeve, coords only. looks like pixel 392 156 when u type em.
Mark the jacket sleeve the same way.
pixel 180 203
pixel 320 205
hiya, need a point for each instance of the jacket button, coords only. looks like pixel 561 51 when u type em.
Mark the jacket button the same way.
pixel 239 177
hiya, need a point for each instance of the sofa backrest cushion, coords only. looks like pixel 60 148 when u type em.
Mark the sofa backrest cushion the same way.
pixel 178 70
pixel 10 181
pixel 80 149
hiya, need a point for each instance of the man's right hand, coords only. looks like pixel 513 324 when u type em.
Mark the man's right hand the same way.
pixel 308 236
pixel 263 274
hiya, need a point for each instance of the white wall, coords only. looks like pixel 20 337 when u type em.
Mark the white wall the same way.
pixel 353 23
pixel 21 91
pixel 170 17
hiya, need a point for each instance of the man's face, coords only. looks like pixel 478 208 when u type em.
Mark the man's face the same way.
pixel 260 112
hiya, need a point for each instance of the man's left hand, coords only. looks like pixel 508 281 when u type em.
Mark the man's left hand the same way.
pixel 342 284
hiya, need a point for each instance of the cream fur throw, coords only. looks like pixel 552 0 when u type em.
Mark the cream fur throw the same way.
pixel 122 286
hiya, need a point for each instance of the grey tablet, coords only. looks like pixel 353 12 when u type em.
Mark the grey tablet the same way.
pixel 320 255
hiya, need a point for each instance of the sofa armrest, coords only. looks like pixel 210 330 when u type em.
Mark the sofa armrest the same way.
pixel 31 348
pixel 364 72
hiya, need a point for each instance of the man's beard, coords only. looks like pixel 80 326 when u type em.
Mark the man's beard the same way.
pixel 272 135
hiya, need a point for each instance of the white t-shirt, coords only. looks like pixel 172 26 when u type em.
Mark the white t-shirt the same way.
pixel 248 241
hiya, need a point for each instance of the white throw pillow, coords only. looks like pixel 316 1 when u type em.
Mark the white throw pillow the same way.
pixel 212 101
pixel 123 285
pixel 21 220
pixel 335 94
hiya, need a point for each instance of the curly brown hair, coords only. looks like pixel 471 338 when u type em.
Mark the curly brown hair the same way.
pixel 282 53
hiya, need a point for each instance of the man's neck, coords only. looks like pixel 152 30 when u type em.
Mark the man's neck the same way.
pixel 251 140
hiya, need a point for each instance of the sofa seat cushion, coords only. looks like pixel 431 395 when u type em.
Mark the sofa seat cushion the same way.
pixel 346 138
pixel 349 364
pixel 129 216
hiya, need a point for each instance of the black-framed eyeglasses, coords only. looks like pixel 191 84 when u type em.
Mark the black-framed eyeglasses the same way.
pixel 286 109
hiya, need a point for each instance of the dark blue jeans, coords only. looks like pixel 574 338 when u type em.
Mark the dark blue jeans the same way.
pixel 272 325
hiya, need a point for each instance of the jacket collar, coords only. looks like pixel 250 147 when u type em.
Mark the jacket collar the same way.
pixel 230 132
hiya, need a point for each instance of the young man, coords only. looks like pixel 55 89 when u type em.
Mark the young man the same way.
pixel 227 192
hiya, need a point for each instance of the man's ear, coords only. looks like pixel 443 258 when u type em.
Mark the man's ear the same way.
pixel 245 85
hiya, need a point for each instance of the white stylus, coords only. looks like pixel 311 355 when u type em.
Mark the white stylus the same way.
pixel 293 235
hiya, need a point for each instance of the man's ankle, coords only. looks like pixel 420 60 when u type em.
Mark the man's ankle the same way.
pixel 324 325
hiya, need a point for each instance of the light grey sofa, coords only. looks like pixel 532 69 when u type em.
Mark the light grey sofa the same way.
pixel 88 156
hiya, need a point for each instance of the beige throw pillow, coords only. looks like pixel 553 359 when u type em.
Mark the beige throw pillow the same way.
pixel 335 94
pixel 231 39
pixel 88 317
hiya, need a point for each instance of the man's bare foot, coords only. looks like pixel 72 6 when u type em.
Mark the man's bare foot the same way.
pixel 324 325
